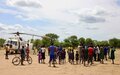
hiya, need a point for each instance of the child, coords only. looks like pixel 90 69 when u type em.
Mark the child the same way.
pixel 72 57
pixel 69 55
pixel 35 50
pixel 112 54
pixel 43 50
pixel 39 57
pixel 77 57
pixel 63 55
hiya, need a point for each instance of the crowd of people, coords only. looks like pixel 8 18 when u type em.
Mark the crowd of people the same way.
pixel 84 54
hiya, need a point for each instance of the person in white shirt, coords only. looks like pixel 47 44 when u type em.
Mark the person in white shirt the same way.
pixel 43 50
pixel 98 53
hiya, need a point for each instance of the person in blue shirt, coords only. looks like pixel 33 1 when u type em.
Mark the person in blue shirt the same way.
pixel 105 52
pixel 52 50
pixel 60 53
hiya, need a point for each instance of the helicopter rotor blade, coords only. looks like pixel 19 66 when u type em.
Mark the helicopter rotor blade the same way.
pixel 18 33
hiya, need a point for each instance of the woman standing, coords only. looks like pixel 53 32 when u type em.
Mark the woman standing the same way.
pixel 112 54
pixel 101 55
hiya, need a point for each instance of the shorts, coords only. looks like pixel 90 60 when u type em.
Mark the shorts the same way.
pixel 43 55
pixel 52 57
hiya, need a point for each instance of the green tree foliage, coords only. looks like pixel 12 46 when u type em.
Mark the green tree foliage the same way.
pixel 57 43
pixel 82 40
pixel 2 41
pixel 71 41
pixel 52 37
pixel 66 43
pixel 37 43
pixel 118 45
pixel 89 41
pixel 46 41
pixel 102 43
pixel 114 42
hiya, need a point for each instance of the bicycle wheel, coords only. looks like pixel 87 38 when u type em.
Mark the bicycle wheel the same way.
pixel 16 61
pixel 29 60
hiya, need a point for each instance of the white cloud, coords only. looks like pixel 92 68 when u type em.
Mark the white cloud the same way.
pixel 92 28
pixel 94 15
pixel 24 3
pixel 10 27
pixel 31 29
pixel 1 28
pixel 16 27
pixel 91 19
pixel 6 29
pixel 13 12
pixel 69 17
pixel 55 9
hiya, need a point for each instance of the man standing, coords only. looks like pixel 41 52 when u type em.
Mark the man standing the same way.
pixel 7 51
pixel 80 52
pixel 90 54
pixel 27 51
pixel 52 50
pixel 60 53
pixel 22 54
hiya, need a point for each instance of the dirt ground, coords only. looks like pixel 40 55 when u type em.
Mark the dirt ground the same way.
pixel 7 68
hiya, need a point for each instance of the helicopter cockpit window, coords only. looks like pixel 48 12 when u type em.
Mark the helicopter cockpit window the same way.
pixel 14 43
pixel 11 42
pixel 8 42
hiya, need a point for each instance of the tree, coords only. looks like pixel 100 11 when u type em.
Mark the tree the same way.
pixel 46 41
pixel 52 37
pixel 118 45
pixel 57 43
pixel 37 43
pixel 82 40
pixel 105 43
pixel 66 43
pixel 73 41
pixel 2 41
pixel 114 42
pixel 89 41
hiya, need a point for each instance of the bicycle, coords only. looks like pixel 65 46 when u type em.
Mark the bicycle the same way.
pixel 17 59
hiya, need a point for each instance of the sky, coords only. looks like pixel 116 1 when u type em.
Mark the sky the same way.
pixel 96 19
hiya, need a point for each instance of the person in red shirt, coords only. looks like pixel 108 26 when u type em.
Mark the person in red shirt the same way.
pixel 27 51
pixel 90 55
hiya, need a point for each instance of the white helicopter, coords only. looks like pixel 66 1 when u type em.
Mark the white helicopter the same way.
pixel 17 42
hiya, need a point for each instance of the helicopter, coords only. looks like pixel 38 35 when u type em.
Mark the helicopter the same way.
pixel 17 42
